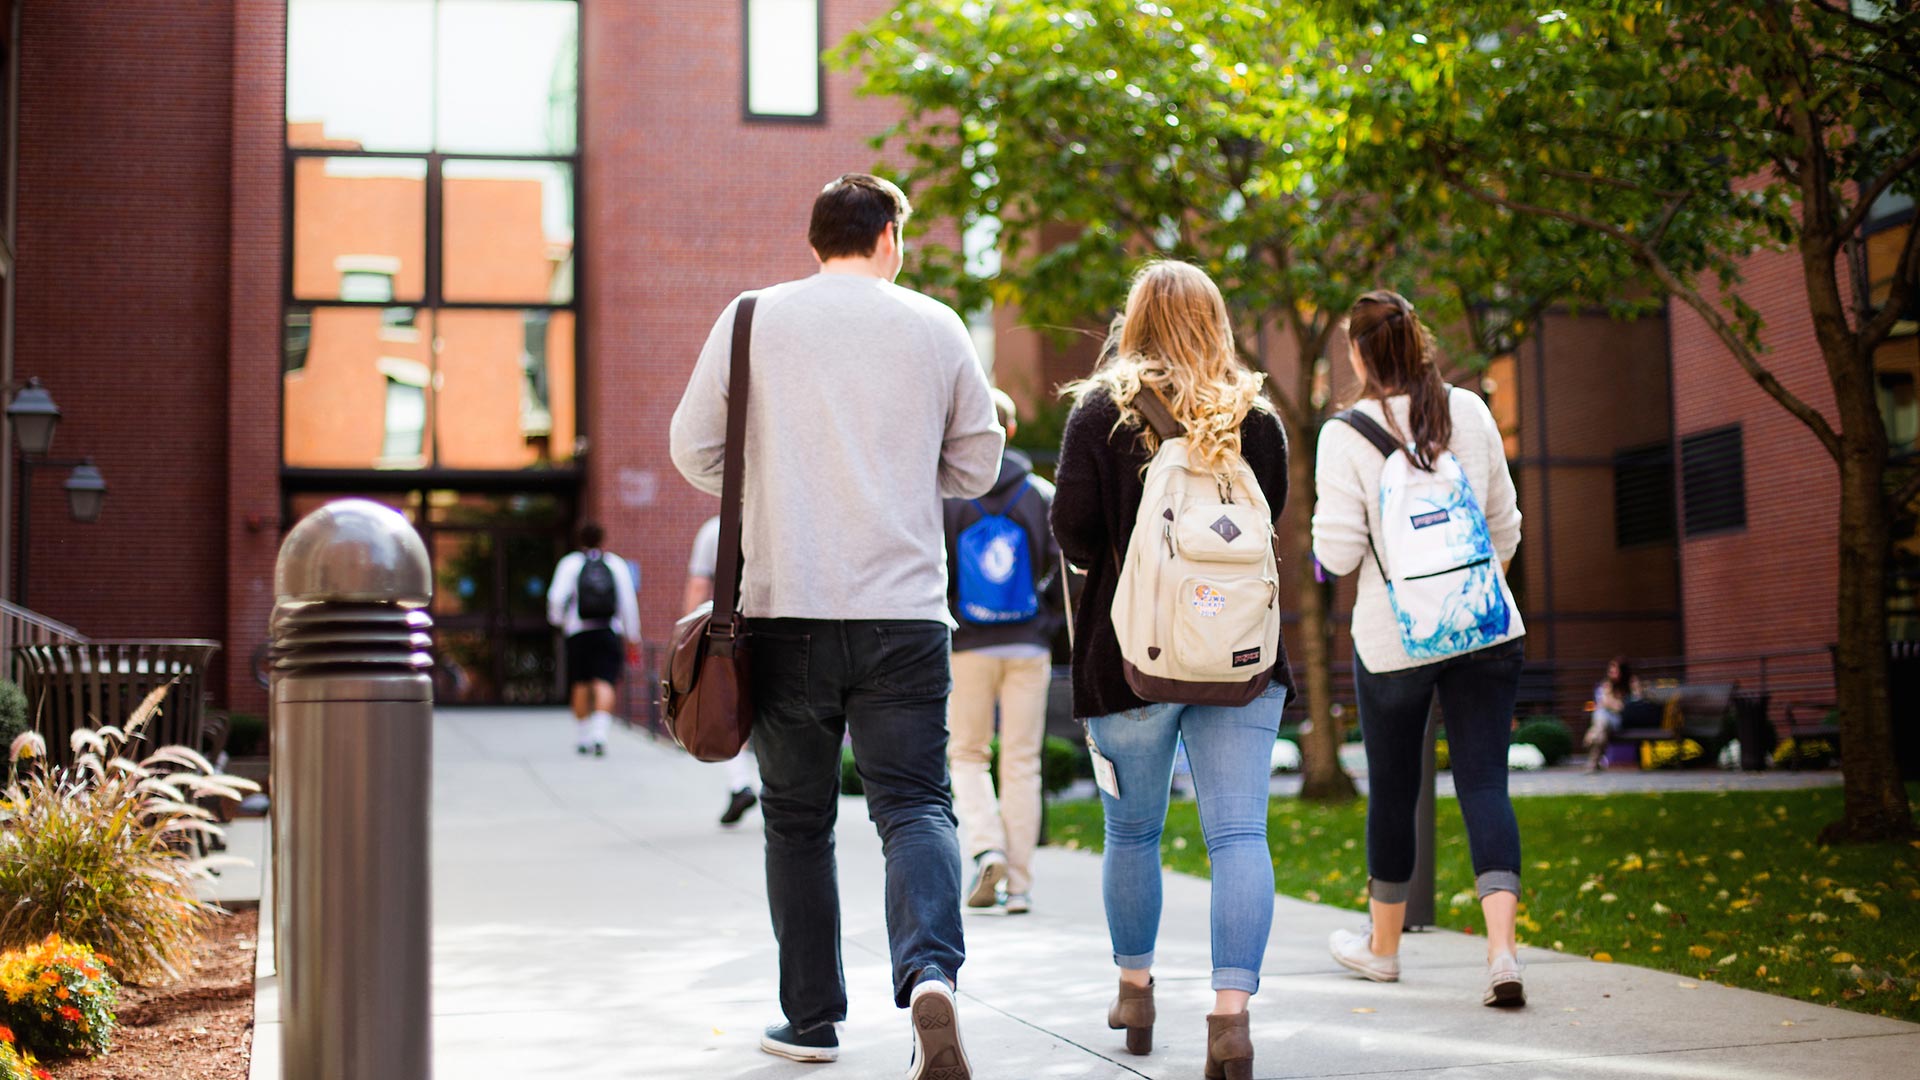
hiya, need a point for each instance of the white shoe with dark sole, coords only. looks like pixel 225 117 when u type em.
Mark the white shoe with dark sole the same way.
pixel 1504 988
pixel 937 1053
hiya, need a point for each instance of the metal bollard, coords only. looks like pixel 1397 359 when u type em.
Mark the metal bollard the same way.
pixel 352 726
pixel 1420 903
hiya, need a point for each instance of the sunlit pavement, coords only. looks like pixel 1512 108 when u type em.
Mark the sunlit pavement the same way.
pixel 592 920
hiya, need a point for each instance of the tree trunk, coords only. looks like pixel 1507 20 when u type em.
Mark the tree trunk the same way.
pixel 1875 799
pixel 1322 778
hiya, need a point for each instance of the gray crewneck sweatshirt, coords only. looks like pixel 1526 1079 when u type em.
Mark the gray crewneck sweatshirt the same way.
pixel 867 407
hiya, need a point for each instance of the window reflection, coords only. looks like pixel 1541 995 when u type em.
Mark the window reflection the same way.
pixel 360 396
pixel 507 77
pixel 783 57
pixel 508 376
pixel 509 232
pixel 359 228
pixel 358 74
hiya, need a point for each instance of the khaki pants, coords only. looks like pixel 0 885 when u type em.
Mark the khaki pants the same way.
pixel 1012 823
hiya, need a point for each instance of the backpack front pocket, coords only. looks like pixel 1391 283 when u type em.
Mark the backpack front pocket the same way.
pixel 1221 625
pixel 1223 532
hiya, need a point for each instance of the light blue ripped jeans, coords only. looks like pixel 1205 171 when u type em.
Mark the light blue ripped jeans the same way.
pixel 1231 751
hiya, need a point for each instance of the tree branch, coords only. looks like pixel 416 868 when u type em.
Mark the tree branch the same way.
pixel 1610 181
pixel 1708 312
pixel 1872 192
pixel 1666 220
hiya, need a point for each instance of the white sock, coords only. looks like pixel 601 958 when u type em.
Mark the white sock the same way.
pixel 582 733
pixel 600 723
pixel 743 772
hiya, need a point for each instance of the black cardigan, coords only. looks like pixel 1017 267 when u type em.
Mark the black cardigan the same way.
pixel 1099 491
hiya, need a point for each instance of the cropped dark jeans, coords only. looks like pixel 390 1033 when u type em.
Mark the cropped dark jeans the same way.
pixel 885 683
pixel 1477 692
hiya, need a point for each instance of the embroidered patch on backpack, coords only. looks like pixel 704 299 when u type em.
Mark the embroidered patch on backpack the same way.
pixel 1226 528
pixel 1246 656
pixel 1430 519
pixel 1208 600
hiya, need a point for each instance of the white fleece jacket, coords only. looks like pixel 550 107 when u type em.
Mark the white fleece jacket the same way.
pixel 1347 479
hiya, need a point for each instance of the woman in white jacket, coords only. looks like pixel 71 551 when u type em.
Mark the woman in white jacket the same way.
pixel 1400 660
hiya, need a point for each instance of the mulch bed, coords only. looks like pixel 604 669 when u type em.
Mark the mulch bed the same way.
pixel 200 1028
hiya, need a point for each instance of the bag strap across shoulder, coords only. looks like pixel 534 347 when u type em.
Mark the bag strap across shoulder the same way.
pixel 723 628
pixel 1369 429
pixel 1153 408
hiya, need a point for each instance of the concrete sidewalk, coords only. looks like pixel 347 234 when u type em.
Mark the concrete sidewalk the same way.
pixel 593 921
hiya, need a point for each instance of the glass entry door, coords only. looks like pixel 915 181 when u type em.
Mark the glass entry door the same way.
pixel 493 556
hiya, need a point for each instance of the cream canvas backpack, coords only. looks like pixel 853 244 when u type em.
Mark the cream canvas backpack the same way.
pixel 1197 609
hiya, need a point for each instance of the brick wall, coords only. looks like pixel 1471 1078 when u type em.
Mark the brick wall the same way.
pixel 122 304
pixel 1772 585
pixel 685 206
pixel 258 133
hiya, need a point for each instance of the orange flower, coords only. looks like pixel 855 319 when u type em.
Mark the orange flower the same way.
pixel 62 994
pixel 70 1013
pixel 51 978
pixel 6 1034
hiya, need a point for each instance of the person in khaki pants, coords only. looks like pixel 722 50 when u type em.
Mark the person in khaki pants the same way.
pixel 1002 586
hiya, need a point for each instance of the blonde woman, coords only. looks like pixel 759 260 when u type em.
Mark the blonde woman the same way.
pixel 1176 342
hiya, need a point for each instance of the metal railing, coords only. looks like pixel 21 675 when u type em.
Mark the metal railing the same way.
pixel 19 626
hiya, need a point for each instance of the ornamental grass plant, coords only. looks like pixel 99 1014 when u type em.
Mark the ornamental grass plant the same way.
pixel 58 998
pixel 103 851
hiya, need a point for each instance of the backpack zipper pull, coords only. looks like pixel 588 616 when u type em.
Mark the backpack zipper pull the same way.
pixel 1166 531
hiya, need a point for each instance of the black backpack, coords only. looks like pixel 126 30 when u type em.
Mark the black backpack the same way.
pixel 598 593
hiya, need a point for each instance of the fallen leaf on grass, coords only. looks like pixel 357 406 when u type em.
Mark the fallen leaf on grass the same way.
pixel 1870 910
pixel 1841 958
pixel 1604 958
pixel 1699 952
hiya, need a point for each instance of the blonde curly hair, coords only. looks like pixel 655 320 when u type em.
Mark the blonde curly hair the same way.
pixel 1175 338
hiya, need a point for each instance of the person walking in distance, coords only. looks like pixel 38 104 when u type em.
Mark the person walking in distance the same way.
pixel 1174 414
pixel 1416 496
pixel 867 406
pixel 741 771
pixel 593 600
pixel 1002 571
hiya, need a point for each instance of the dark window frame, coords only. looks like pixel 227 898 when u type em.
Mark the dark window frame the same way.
pixel 816 118
pixel 431 299
pixel 1702 516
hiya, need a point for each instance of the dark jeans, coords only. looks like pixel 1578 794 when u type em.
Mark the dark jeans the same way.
pixel 885 682
pixel 1477 692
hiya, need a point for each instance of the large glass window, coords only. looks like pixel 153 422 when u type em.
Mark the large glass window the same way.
pixel 783 76
pixel 433 154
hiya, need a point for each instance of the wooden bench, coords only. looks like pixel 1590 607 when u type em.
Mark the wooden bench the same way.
pixel 1705 710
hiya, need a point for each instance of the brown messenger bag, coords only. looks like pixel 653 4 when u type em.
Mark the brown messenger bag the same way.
pixel 709 700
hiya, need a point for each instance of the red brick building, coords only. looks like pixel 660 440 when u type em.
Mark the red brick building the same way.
pixel 459 255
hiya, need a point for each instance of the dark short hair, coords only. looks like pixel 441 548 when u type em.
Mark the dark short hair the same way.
pixel 851 212
pixel 591 535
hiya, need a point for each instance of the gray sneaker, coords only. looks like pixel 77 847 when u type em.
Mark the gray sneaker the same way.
pixel 1504 990
pixel 1355 953
pixel 1019 903
pixel 989 870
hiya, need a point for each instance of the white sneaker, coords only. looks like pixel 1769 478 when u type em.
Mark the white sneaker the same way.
pixel 937 1053
pixel 1019 903
pixel 1504 990
pixel 990 869
pixel 1355 953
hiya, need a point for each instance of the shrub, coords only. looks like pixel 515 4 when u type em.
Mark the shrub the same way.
pixel 1548 734
pixel 13 712
pixel 59 998
pixel 100 850
pixel 246 734
pixel 1060 761
pixel 17 1064
pixel 1441 758
pixel 1792 751
pixel 1666 753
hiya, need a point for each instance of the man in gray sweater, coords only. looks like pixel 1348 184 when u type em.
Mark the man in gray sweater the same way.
pixel 867 406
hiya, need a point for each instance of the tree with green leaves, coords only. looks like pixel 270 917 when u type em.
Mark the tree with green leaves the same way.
pixel 1102 133
pixel 1687 136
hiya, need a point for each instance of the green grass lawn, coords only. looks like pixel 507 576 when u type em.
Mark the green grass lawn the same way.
pixel 1723 886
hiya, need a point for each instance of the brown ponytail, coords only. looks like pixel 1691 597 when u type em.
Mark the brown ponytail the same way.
pixel 1397 353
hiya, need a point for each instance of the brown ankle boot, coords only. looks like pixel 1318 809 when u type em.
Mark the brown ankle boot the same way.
pixel 1133 1010
pixel 1229 1047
